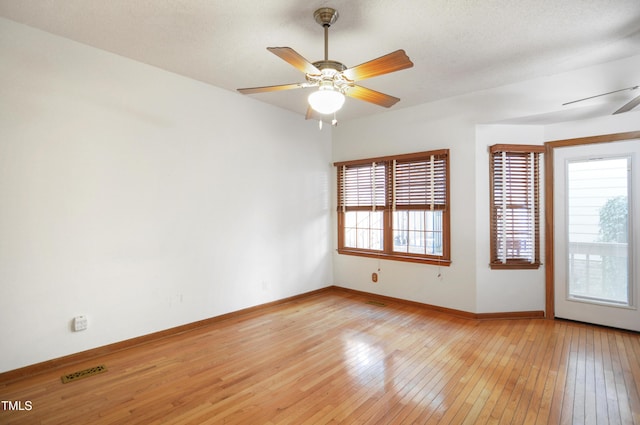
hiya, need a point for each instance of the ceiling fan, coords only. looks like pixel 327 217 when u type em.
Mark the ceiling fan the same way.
pixel 625 108
pixel 333 79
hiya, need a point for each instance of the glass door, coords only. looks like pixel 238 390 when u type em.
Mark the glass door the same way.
pixel 596 275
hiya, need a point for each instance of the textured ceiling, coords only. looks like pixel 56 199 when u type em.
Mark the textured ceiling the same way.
pixel 457 46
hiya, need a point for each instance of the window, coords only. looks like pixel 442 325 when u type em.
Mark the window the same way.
pixel 395 207
pixel 515 206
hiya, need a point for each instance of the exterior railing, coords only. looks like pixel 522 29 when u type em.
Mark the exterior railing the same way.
pixel 599 270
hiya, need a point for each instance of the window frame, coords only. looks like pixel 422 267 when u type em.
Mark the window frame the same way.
pixel 498 261
pixel 387 209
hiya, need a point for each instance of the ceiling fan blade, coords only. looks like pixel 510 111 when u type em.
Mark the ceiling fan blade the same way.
pixel 600 95
pixel 629 105
pixel 368 95
pixel 383 65
pixel 295 59
pixel 310 113
pixel 251 90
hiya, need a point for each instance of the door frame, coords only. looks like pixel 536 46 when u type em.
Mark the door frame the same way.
pixel 549 208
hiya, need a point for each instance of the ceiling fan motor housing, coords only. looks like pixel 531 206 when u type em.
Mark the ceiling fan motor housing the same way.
pixel 330 76
pixel 328 64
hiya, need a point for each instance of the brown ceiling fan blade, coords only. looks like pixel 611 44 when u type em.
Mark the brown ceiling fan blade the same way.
pixel 629 105
pixel 311 114
pixel 383 65
pixel 251 90
pixel 295 59
pixel 368 95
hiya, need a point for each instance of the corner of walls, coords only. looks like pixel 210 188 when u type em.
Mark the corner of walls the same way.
pixel 524 290
pixel 426 127
pixel 503 290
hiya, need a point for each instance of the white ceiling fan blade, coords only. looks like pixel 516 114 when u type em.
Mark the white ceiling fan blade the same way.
pixel 599 95
pixel 629 105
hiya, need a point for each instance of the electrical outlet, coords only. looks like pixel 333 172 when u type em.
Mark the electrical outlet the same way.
pixel 79 323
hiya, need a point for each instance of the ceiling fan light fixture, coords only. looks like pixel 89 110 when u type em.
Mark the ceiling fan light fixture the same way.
pixel 326 100
pixel 333 79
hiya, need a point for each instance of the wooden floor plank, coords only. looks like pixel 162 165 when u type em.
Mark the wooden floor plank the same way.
pixel 632 346
pixel 620 372
pixel 335 358
pixel 599 390
pixel 613 409
pixel 579 381
pixel 544 414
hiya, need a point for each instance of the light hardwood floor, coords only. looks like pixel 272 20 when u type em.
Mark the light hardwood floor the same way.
pixel 333 357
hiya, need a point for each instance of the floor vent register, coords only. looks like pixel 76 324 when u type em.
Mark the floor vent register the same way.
pixel 83 374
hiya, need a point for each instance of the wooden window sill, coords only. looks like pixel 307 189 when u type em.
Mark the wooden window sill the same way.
pixel 396 257
pixel 514 266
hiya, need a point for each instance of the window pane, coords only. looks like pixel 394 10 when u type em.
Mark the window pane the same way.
pixel 513 233
pixel 598 232
pixel 350 234
pixel 417 232
pixel 350 220
pixel 363 229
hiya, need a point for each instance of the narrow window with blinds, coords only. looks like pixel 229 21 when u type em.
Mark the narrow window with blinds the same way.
pixel 395 207
pixel 515 206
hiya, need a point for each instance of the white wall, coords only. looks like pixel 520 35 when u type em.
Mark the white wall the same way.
pixel 144 200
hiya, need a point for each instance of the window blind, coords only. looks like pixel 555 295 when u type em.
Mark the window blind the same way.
pixel 362 187
pixel 515 209
pixel 420 184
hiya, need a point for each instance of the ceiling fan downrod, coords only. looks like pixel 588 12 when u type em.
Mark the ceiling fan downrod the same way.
pixel 326 16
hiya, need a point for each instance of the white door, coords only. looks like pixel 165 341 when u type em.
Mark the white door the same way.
pixel 596 243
